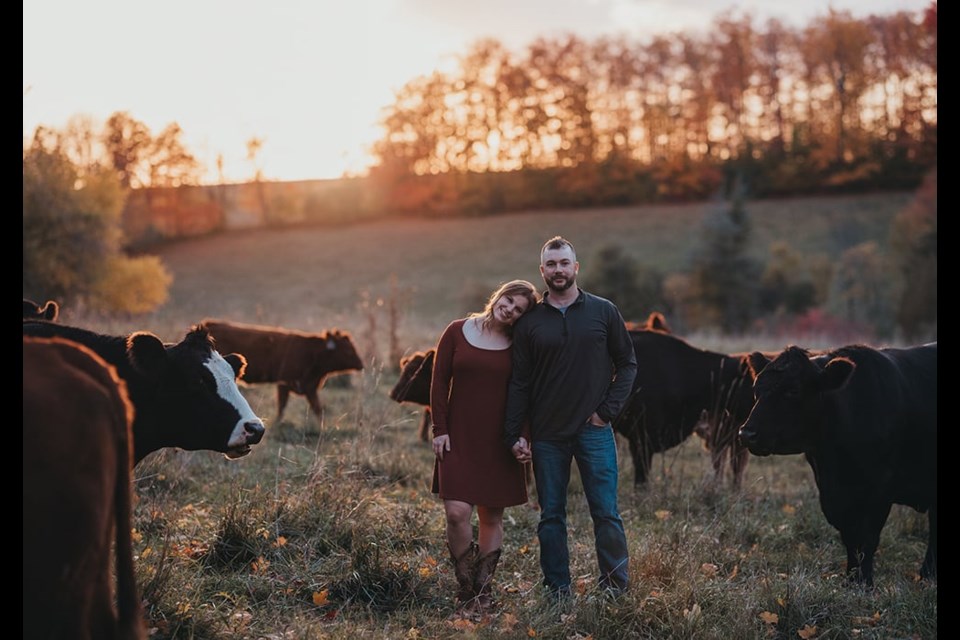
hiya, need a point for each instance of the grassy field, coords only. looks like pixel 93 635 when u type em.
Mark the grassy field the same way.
pixel 328 528
pixel 431 271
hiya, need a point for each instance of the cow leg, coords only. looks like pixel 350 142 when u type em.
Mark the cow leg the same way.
pixel 862 540
pixel 855 572
pixel 642 460
pixel 314 400
pixel 928 571
pixel 739 457
pixel 425 425
pixel 718 457
pixel 283 395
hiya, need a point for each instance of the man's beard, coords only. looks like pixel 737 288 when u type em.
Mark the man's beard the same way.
pixel 568 282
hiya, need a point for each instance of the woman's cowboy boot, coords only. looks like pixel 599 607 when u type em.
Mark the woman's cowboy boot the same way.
pixel 483 580
pixel 463 568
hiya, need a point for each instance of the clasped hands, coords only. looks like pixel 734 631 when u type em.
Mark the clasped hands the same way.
pixel 521 450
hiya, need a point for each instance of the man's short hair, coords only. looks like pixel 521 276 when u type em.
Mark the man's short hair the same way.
pixel 557 242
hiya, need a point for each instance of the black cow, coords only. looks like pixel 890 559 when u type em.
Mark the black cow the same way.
pixel 866 421
pixel 185 394
pixel 33 311
pixel 680 388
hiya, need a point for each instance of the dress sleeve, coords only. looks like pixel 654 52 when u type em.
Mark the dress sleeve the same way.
pixel 440 382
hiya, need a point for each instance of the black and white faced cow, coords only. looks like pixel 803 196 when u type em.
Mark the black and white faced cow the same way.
pixel 866 420
pixel 185 394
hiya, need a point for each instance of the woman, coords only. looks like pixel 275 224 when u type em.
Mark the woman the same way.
pixel 468 395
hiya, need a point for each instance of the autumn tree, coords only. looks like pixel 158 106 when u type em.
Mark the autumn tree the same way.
pixel 142 160
pixel 913 237
pixel 72 242
pixel 635 288
pixel 724 277
pixel 861 291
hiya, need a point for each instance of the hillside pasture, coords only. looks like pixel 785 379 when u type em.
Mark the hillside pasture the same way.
pixel 329 530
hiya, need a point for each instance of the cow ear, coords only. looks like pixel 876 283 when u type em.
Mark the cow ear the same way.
pixel 51 310
pixel 656 322
pixel 146 352
pixel 239 364
pixel 754 363
pixel 836 374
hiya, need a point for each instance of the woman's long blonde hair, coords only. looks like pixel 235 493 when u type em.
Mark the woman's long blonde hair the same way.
pixel 514 288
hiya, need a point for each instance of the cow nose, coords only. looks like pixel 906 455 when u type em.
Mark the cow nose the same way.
pixel 254 430
pixel 747 437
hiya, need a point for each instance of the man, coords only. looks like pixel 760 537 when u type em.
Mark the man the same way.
pixel 573 368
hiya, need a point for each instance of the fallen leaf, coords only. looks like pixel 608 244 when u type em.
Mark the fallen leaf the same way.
pixel 708 569
pixel 320 597
pixel 769 617
pixel 789 509
pixel 733 574
pixel 662 514
pixel 260 565
pixel 462 624
pixel 280 541
pixel 808 632
pixel 531 632
pixel 425 572
pixel 508 621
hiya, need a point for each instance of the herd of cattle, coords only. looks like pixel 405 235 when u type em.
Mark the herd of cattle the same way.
pixel 95 405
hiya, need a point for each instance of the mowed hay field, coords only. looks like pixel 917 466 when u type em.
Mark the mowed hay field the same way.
pixel 328 528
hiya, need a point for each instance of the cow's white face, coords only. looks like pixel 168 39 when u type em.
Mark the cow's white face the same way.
pixel 249 428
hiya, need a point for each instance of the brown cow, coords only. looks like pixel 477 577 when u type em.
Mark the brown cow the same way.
pixel 298 362
pixel 77 497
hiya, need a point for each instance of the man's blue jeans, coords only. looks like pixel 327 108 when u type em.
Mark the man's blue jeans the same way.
pixel 595 451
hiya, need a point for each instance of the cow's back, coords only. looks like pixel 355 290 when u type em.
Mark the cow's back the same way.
pixel 272 354
pixel 77 460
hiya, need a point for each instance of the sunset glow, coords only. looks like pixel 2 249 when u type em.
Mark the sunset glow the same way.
pixel 308 79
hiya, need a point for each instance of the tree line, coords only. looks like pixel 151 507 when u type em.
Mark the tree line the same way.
pixel 841 103
pixel 864 294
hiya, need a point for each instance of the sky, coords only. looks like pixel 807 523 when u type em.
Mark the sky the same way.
pixel 308 78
